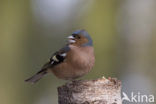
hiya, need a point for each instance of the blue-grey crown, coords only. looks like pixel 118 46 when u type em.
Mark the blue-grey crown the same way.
pixel 85 34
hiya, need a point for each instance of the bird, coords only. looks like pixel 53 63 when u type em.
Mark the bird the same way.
pixel 72 61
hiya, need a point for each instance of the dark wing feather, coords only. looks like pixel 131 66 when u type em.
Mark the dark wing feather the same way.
pixel 59 56
pixel 56 59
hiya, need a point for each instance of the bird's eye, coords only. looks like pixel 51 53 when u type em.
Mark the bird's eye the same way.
pixel 76 36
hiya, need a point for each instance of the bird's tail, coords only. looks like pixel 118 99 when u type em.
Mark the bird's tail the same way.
pixel 37 76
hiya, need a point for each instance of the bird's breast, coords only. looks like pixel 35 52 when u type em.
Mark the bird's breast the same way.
pixel 81 57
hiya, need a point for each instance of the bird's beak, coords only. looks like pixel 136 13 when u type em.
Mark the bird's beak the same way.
pixel 70 37
pixel 71 41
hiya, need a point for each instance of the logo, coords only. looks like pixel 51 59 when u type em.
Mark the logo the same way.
pixel 137 98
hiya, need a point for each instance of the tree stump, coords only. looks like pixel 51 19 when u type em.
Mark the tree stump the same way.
pixel 99 91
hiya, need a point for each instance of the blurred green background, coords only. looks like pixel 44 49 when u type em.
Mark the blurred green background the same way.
pixel 31 30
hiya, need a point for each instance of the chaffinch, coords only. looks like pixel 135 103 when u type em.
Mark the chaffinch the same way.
pixel 73 61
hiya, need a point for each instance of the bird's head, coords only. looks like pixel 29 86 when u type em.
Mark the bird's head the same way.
pixel 80 38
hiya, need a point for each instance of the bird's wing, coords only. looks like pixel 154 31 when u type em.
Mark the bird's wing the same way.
pixel 59 56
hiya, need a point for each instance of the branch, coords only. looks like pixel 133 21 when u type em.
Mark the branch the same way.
pixel 100 91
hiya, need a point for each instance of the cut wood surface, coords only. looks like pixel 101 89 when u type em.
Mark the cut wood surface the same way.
pixel 99 91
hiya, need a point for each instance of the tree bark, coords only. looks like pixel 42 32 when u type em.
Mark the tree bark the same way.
pixel 99 91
